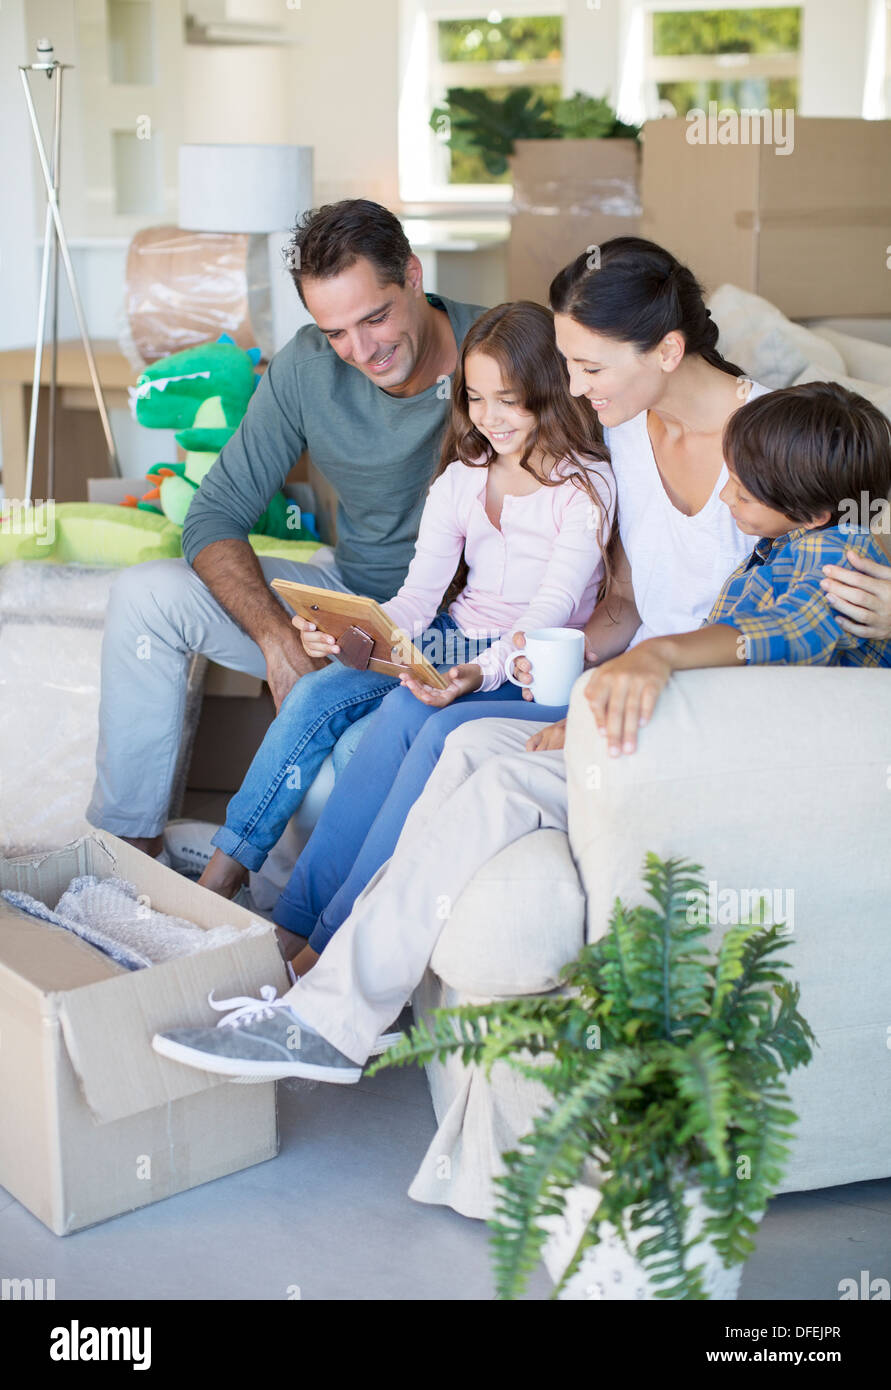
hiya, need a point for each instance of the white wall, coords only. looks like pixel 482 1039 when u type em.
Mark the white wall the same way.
pixel 833 57
pixel 18 277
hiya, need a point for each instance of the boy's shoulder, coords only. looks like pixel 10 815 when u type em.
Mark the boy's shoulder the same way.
pixel 812 549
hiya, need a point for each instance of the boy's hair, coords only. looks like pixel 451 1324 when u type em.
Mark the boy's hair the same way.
pixel 328 240
pixel 806 449
pixel 520 338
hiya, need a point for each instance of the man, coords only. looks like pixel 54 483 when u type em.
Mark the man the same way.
pixel 366 391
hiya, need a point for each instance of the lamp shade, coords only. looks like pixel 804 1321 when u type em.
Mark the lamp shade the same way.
pixel 243 188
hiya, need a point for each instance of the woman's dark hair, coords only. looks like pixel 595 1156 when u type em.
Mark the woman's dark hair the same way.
pixel 520 338
pixel 807 448
pixel 636 292
pixel 328 240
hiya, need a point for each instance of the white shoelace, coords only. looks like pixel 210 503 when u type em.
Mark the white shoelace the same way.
pixel 245 1010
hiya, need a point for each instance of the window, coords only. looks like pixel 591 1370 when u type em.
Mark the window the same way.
pixel 494 53
pixel 468 45
pixel 739 58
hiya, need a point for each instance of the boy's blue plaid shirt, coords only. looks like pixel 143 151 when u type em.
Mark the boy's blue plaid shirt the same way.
pixel 775 602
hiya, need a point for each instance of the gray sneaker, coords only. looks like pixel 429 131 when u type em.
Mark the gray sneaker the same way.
pixel 260 1040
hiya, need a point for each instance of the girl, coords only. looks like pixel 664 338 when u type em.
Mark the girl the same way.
pixel 524 500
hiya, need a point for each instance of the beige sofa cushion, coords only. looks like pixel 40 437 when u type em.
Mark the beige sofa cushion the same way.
pixel 770 348
pixel 517 923
pixel 879 395
pixel 775 779
pixel 865 360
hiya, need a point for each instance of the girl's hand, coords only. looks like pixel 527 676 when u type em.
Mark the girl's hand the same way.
pixel 547 739
pixel 463 680
pixel 316 644
pixel 622 694
pixel 862 594
pixel 523 667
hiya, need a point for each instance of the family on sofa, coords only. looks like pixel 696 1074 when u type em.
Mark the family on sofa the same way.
pixel 601 467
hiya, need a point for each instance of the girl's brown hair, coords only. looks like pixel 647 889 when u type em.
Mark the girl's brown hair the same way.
pixel 520 338
pixel 805 449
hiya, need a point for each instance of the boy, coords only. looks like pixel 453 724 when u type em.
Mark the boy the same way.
pixel 800 460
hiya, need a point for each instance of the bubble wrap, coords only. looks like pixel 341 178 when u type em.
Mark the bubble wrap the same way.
pixel 51 620
pixel 110 914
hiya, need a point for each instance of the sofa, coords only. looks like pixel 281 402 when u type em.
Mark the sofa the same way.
pixel 773 780
pixel 745 773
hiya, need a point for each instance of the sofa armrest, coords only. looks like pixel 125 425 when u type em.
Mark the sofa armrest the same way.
pixel 775 779
pixel 778 782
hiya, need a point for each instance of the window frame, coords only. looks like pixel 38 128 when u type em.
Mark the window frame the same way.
pixel 711 67
pixel 423 173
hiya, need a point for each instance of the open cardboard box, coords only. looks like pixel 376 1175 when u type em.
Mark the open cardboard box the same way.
pixel 95 1122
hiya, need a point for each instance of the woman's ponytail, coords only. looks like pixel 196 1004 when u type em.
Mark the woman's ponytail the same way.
pixel 637 294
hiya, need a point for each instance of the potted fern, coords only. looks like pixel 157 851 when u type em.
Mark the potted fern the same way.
pixel 670 1120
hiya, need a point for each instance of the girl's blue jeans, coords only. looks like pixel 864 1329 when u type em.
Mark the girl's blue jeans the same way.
pixel 317 711
pixel 362 819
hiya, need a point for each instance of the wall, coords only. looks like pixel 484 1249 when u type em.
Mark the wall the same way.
pixel 336 89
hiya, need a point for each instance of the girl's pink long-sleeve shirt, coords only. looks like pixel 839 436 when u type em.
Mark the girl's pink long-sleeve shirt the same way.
pixel 541 569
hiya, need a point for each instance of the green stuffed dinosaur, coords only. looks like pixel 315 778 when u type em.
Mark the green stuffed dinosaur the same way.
pixel 203 393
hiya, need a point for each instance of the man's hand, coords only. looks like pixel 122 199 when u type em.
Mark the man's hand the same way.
pixel 547 739
pixel 523 668
pixel 623 692
pixel 463 680
pixel 862 594
pixel 286 662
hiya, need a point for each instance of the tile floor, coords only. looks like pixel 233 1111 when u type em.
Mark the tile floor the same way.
pixel 331 1216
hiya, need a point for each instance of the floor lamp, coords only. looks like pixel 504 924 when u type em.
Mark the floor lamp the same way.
pixel 55 244
pixel 260 189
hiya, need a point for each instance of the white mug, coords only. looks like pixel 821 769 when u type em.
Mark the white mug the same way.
pixel 557 655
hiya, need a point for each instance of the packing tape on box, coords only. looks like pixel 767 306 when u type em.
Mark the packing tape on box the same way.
pixel 815 217
pixel 578 198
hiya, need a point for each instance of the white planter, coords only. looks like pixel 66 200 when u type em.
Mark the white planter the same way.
pixel 610 1270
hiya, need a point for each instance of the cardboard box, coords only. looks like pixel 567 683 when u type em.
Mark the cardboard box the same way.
pixel 95 1122
pixel 568 195
pixel 809 230
pixel 230 730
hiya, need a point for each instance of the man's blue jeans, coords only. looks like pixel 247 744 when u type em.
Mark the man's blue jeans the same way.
pixel 363 818
pixel 316 712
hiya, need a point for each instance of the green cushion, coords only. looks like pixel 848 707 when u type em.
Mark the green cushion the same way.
pixel 96 533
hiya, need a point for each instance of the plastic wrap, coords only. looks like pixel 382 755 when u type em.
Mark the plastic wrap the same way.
pixel 51 621
pixel 111 915
pixel 184 288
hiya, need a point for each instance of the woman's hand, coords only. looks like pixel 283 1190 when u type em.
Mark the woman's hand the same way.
pixel 463 680
pixel 547 739
pixel 623 692
pixel 316 644
pixel 523 667
pixel 862 594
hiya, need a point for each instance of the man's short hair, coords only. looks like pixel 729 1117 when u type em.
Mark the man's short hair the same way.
pixel 326 241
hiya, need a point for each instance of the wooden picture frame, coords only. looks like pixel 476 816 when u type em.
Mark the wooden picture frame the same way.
pixel 369 639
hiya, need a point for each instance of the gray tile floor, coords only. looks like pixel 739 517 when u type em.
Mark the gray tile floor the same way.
pixel 330 1215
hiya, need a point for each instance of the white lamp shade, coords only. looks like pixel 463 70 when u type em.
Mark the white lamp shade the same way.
pixel 243 188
